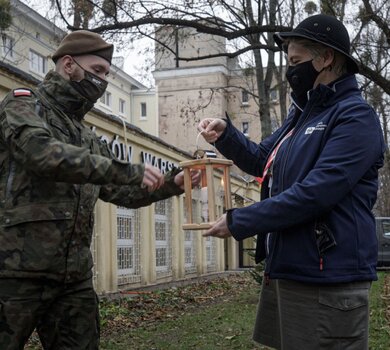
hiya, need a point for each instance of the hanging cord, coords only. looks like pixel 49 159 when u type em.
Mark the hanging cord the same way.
pixel 125 137
pixel 199 153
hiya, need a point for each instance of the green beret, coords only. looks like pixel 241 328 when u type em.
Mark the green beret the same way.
pixel 84 42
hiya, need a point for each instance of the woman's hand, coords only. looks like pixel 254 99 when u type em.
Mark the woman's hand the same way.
pixel 212 128
pixel 219 229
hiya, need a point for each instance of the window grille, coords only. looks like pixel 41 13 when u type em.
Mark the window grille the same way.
pixel 163 236
pixel 128 245
pixel 211 247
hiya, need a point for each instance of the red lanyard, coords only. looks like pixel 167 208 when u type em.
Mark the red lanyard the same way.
pixel 271 158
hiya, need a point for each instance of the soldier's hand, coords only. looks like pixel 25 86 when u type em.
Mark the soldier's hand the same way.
pixel 219 229
pixel 153 179
pixel 195 178
pixel 212 128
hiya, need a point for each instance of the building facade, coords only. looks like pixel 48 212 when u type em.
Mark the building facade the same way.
pixel 190 90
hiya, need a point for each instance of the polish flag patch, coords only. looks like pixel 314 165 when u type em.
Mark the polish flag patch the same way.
pixel 22 92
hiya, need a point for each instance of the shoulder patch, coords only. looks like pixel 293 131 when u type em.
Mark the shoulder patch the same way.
pixel 22 92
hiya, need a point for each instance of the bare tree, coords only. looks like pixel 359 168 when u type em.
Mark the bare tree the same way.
pixel 251 22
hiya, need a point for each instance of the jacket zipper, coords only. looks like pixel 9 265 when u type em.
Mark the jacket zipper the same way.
pixel 290 144
pixel 266 273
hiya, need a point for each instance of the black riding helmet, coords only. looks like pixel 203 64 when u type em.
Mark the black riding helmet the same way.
pixel 323 29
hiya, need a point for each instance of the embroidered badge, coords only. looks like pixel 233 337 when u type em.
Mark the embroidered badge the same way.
pixel 319 127
pixel 22 92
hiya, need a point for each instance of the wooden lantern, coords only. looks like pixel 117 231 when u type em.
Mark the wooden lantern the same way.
pixel 207 167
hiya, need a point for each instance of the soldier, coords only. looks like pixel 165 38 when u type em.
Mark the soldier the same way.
pixel 52 171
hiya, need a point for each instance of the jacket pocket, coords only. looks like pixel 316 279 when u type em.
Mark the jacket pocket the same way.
pixel 343 317
pixel 34 237
pixel 324 237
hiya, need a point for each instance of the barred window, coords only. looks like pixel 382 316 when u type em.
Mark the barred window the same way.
pixel 128 245
pixel 163 232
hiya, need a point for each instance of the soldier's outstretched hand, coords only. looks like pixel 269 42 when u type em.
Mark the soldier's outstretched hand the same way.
pixel 153 179
pixel 195 178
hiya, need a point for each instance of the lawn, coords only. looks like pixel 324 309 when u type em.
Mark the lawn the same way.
pixel 208 315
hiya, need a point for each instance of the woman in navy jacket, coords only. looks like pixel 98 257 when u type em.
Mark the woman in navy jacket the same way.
pixel 319 175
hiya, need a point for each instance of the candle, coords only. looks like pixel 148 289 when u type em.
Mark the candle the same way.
pixel 204 204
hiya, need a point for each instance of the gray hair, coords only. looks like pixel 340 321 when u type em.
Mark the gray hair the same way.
pixel 339 65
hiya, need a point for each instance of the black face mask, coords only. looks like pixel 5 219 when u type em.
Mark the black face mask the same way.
pixel 91 87
pixel 301 79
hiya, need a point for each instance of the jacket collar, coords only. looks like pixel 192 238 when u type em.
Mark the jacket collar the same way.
pixel 327 95
pixel 63 96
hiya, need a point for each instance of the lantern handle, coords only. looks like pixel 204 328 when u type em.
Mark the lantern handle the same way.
pixel 197 153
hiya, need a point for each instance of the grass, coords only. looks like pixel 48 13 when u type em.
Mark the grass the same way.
pixel 209 316
pixel 224 325
pixel 380 313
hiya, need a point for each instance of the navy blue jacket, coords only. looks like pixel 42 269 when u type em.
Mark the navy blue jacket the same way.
pixel 315 224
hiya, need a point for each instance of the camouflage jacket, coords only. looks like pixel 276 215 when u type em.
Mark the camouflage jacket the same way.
pixel 52 171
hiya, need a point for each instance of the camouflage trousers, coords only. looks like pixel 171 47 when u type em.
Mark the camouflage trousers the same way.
pixel 64 315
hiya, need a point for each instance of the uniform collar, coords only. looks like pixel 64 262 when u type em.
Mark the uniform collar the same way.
pixel 59 92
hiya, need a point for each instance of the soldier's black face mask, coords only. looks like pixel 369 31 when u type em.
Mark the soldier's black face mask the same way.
pixel 301 78
pixel 91 86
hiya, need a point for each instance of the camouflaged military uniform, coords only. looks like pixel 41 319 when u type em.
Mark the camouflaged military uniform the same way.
pixel 52 171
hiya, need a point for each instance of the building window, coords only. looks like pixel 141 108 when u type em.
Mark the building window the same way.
pixel 163 229
pixel 245 128
pixel 273 95
pixel 106 99
pixel 143 110
pixel 128 245
pixel 244 97
pixel 7 46
pixel 38 63
pixel 122 106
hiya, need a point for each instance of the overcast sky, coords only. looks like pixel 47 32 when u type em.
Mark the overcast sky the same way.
pixel 134 64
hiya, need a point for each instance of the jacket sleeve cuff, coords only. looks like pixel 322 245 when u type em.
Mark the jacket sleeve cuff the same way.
pixel 229 222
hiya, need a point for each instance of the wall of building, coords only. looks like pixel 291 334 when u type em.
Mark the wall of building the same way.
pixel 144 113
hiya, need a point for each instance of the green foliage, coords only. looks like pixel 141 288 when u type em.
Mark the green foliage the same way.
pixel 257 273
pixel 5 14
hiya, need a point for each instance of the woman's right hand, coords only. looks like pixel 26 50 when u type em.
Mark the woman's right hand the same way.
pixel 212 128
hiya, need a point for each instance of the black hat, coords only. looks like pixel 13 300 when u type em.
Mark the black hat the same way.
pixel 83 42
pixel 324 29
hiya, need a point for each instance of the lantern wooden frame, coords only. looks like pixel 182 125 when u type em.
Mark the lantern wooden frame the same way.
pixel 207 167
